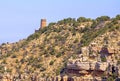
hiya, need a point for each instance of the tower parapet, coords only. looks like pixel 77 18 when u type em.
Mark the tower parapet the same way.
pixel 43 23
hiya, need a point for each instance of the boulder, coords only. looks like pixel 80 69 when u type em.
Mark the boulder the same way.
pixel 101 66
pixel 83 66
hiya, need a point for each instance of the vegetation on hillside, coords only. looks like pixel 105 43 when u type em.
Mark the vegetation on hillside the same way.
pixel 48 50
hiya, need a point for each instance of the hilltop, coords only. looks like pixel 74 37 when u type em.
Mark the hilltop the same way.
pixel 47 52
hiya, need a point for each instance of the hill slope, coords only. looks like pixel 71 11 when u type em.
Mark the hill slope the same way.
pixel 47 51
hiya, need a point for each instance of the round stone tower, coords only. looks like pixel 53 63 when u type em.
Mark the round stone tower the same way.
pixel 43 23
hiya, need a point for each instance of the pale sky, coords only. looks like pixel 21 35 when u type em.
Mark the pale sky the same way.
pixel 19 18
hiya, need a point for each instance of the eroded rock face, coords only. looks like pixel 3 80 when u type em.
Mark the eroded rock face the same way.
pixel 79 66
pixel 99 66
pixel 85 69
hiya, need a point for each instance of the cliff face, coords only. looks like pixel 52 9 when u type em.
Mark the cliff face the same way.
pixel 99 60
pixel 68 50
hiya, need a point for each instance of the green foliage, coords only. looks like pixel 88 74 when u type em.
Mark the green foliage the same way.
pixel 22 60
pixel 9 70
pixel 118 62
pixel 51 51
pixel 3 44
pixel 38 65
pixel 94 24
pixel 1 67
pixel 74 56
pixel 75 24
pixel 13 56
pixel 37 34
pixel 76 40
pixel 118 17
pixel 83 19
pixel 58 71
pixel 51 62
pixel 86 29
pixel 103 18
pixel 110 79
pixel 60 38
pixel 17 61
pixel 64 31
pixel 103 59
pixel 4 61
pixel 92 34
pixel 51 24
pixel 59 55
pixel 67 21
pixel 33 36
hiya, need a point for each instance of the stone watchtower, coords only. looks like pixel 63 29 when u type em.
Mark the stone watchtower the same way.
pixel 43 23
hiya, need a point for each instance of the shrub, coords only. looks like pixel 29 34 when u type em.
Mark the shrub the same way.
pixel 110 79
pixel 4 61
pixel 103 59
pixel 58 71
pixel 118 62
pixel 76 40
pixel 51 62
pixel 38 65
pixel 59 55
pixel 91 35
pixel 16 61
pixel 83 19
pixel 1 67
pixel 13 56
pixel 102 18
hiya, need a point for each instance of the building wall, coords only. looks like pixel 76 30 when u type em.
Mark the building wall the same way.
pixel 43 23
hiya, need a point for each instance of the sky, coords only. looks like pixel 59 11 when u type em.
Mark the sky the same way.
pixel 20 18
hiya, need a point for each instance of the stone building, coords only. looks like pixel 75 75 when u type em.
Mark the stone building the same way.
pixel 43 23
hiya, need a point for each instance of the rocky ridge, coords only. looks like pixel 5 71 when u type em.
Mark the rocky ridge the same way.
pixel 68 50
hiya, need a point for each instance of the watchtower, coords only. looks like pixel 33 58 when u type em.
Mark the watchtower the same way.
pixel 43 23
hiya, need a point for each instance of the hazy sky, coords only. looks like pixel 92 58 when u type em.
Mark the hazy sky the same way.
pixel 19 18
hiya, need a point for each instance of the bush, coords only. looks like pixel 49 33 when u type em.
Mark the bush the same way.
pixel 16 61
pixel 51 24
pixel 1 67
pixel 4 61
pixel 91 35
pixel 33 36
pixel 83 19
pixel 13 56
pixel 118 17
pixel 118 62
pixel 103 59
pixel 67 21
pixel 58 71
pixel 51 62
pixel 59 55
pixel 76 41
pixel 103 18
pixel 110 79
pixel 38 65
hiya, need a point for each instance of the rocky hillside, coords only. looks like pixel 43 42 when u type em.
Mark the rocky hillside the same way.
pixel 47 53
